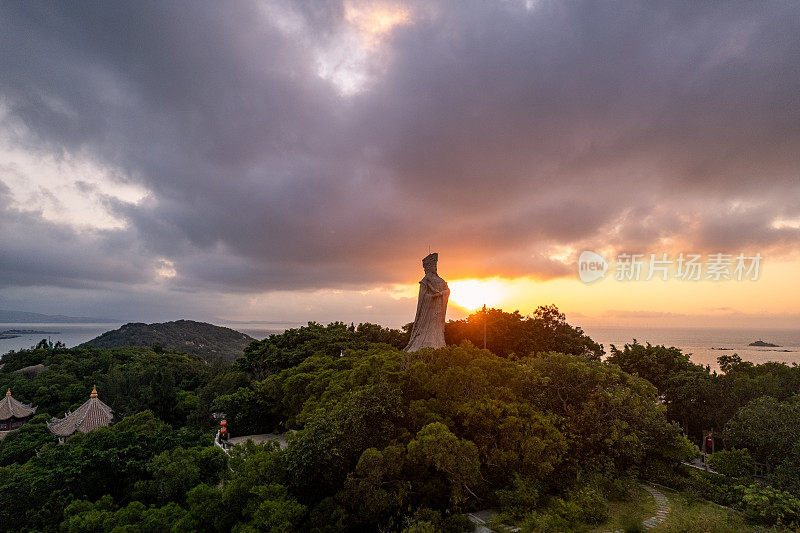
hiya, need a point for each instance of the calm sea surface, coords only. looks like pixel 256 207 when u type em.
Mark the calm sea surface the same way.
pixel 704 344
pixel 69 334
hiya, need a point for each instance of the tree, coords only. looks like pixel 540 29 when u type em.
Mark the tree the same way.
pixel 510 334
pixel 379 486
pixel 656 364
pixel 768 428
pixel 275 511
pixel 787 474
pixel 290 348
pixel 437 450
pixel 106 461
pixel 611 419
pixel 174 472
pixel 20 445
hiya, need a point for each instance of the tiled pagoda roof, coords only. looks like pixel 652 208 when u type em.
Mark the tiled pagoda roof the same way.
pixel 91 415
pixel 9 407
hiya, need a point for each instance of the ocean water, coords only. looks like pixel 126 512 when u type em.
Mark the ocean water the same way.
pixel 69 334
pixel 74 334
pixel 704 344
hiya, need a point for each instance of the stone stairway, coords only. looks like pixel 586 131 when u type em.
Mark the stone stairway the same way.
pixel 662 508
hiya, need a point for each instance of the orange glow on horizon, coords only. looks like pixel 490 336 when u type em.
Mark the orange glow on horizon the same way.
pixel 772 301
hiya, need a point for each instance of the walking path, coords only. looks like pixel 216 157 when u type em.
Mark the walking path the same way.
pixel 280 438
pixel 481 518
pixel 700 465
pixel 662 508
pixel 480 523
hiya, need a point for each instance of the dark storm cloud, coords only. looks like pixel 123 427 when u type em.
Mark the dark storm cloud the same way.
pixel 492 133
pixel 38 252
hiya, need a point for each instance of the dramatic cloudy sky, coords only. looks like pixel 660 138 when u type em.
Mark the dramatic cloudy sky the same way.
pixel 288 161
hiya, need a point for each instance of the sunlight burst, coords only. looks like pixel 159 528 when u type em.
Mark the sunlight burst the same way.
pixel 473 293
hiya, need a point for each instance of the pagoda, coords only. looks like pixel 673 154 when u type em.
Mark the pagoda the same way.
pixel 13 413
pixel 91 415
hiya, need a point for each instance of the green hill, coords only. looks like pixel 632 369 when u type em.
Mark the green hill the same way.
pixel 199 338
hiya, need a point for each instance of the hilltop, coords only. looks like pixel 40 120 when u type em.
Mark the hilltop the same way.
pixel 199 338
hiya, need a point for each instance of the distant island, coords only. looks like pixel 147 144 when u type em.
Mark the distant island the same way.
pixel 24 317
pixel 199 338
pixel 29 332
pixel 763 344
pixel 14 333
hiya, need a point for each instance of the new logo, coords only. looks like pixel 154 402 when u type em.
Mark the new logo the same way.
pixel 591 266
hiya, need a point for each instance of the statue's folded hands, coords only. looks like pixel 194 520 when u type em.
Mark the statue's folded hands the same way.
pixel 433 291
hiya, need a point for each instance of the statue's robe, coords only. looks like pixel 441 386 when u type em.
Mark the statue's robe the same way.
pixel 428 331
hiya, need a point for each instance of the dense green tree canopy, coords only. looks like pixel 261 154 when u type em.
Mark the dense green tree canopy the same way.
pixel 768 428
pixel 514 334
pixel 382 430
pixel 701 400
pixel 128 379
pixel 378 438
pixel 290 348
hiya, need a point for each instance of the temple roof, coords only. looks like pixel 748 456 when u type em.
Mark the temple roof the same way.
pixel 91 415
pixel 9 407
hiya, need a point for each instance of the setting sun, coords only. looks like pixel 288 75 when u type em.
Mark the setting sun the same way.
pixel 473 293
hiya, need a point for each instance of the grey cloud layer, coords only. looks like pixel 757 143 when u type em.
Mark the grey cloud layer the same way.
pixel 490 132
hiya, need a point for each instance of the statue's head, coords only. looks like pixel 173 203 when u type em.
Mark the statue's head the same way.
pixel 429 263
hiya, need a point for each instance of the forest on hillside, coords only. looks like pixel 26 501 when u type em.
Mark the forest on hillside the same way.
pixel 538 426
pixel 188 336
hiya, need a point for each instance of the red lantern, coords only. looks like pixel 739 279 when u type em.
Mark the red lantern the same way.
pixel 224 430
pixel 223 423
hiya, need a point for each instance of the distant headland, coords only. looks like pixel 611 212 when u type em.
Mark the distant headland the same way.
pixel 24 317
pixel 200 338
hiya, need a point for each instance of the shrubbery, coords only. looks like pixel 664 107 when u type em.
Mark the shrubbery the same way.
pixel 759 503
pixel 767 505
pixel 733 463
